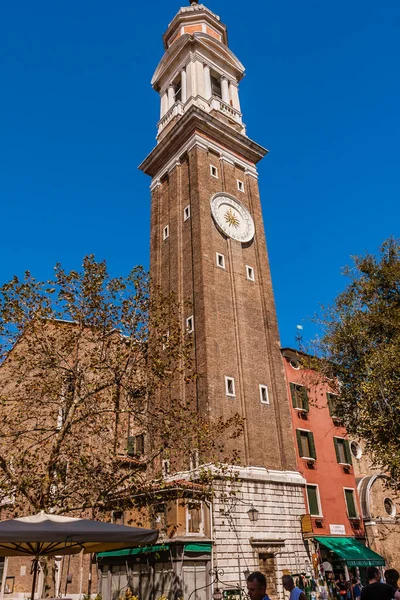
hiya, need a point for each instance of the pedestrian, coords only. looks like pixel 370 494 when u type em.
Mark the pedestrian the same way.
pixel 375 590
pixel 355 588
pixel 341 586
pixel 295 592
pixel 257 586
pixel 392 578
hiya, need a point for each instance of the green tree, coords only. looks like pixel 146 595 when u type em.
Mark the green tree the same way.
pixel 96 387
pixel 359 353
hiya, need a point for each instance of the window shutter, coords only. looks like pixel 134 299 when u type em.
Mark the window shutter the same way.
pixel 311 444
pixel 298 435
pixel 305 397
pixel 351 506
pixel 293 394
pixel 131 445
pixel 335 441
pixel 347 452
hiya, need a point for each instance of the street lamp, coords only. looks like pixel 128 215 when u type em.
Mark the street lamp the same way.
pixel 217 595
pixel 253 514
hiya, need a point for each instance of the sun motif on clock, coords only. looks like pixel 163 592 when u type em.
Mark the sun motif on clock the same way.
pixel 232 218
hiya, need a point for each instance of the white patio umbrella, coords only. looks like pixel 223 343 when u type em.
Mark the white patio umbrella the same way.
pixel 48 535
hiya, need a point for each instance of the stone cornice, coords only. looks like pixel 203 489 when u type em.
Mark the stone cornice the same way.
pixel 198 121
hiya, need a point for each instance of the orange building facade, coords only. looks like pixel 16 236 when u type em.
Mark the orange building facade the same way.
pixel 325 458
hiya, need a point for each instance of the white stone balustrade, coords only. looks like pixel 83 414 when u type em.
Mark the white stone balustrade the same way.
pixel 226 109
pixel 175 110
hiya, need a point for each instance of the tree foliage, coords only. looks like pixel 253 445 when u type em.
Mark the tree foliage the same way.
pixel 359 354
pixel 88 363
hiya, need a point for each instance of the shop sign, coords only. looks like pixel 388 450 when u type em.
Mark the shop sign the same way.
pixel 337 529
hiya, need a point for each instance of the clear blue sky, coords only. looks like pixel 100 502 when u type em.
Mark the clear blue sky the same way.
pixel 77 115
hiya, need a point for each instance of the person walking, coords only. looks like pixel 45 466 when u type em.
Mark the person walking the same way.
pixel 375 590
pixel 257 586
pixel 295 592
pixel 392 578
pixel 355 588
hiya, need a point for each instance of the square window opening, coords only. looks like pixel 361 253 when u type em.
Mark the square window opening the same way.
pixel 240 185
pixel 220 260
pixel 264 399
pixel 190 324
pixel 214 171
pixel 250 273
pixel 166 232
pixel 230 386
pixel 186 213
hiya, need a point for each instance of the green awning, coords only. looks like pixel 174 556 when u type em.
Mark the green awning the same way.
pixel 352 552
pixel 199 547
pixel 206 548
pixel 132 551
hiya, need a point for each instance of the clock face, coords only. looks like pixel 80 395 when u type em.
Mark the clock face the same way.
pixel 232 218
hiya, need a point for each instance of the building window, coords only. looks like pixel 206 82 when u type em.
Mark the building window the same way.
pixel 165 233
pixel 194 518
pixel 240 185
pixel 264 394
pixel 294 364
pixel 356 449
pixel 135 445
pixel 230 386
pixel 332 402
pixel 165 467
pixel 165 340
pixel 117 517
pixel 186 213
pixel 314 507
pixel 216 87
pixel 350 503
pixel 390 507
pixel 190 324
pixel 250 273
pixel 299 396
pixel 305 442
pixel 220 260
pixel 342 450
pixel 214 171
pixel 178 90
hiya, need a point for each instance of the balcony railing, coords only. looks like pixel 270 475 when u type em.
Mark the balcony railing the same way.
pixel 175 110
pixel 226 109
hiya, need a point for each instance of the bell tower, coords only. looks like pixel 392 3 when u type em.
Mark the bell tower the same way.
pixel 208 246
pixel 207 234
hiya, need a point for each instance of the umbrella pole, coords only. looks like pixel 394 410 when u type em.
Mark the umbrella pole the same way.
pixel 35 570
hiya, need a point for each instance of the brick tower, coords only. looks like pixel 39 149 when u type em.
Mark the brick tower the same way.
pixel 208 245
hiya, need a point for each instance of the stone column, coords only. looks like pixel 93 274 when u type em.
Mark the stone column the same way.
pixel 225 89
pixel 171 96
pixel 233 89
pixel 207 82
pixel 164 104
pixel 183 86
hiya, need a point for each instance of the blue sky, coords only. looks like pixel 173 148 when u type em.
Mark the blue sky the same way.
pixel 77 115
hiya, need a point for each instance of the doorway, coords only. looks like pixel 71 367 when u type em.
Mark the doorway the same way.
pixel 268 568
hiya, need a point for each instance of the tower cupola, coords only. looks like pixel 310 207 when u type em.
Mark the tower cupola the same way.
pixel 198 68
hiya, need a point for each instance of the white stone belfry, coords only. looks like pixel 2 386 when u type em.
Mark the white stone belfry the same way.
pixel 198 69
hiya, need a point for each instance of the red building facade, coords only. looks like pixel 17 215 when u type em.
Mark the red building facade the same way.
pixel 325 459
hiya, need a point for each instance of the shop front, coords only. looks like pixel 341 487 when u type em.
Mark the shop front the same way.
pixel 341 559
pixel 172 570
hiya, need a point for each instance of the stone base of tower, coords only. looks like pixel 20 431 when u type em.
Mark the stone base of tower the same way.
pixel 272 543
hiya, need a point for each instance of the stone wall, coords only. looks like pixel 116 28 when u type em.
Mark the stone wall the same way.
pixel 278 498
